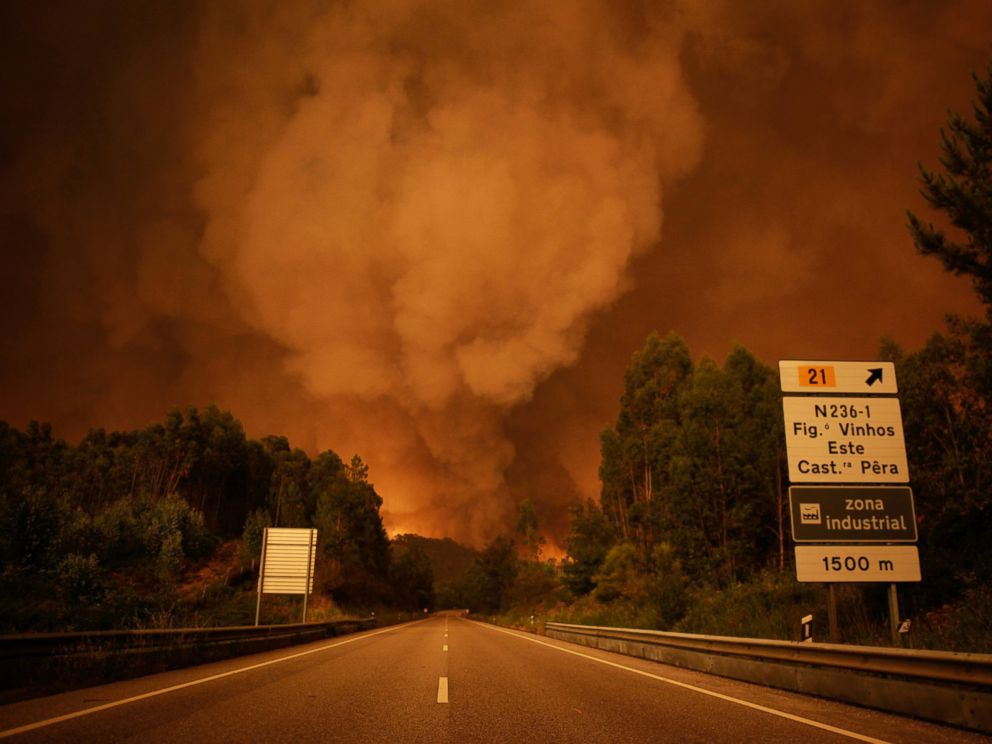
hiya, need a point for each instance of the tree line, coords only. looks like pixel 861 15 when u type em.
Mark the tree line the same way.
pixel 98 534
pixel 693 471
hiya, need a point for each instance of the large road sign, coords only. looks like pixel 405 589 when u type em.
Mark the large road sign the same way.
pixel 844 440
pixel 852 563
pixel 288 556
pixel 846 514
pixel 867 378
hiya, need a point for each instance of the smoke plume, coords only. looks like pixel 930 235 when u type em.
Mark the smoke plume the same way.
pixel 436 199
pixel 432 232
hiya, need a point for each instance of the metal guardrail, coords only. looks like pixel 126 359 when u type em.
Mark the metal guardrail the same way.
pixel 46 644
pixel 955 668
pixel 34 664
pixel 943 686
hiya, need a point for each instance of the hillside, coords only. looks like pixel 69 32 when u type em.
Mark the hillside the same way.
pixel 449 560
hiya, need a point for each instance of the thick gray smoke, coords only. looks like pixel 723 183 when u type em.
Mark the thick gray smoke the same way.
pixel 433 232
pixel 425 202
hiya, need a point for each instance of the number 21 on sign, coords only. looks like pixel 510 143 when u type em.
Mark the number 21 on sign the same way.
pixel 817 376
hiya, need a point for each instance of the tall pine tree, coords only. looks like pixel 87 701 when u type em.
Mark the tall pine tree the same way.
pixel 947 386
pixel 963 192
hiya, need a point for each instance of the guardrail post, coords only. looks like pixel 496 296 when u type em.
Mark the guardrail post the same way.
pixel 832 614
pixel 894 614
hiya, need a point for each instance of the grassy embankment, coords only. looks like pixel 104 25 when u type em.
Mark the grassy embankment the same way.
pixel 771 606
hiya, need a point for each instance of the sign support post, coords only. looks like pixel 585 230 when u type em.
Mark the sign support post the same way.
pixel 261 576
pixel 894 613
pixel 832 614
pixel 306 589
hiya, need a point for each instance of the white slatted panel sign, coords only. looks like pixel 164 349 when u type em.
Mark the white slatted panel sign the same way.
pixel 284 561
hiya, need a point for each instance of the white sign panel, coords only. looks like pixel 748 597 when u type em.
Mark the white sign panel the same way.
pixel 867 378
pixel 844 440
pixel 288 557
pixel 850 563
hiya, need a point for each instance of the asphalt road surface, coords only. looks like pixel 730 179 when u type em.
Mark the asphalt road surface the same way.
pixel 447 679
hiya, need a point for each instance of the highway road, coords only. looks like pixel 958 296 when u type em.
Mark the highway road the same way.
pixel 447 679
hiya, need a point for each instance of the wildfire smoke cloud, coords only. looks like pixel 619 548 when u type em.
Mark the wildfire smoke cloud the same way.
pixel 431 232
pixel 426 202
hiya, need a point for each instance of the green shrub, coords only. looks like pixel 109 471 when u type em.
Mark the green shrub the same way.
pixel 170 528
pixel 116 530
pixel 618 613
pixel 160 531
pixel 81 580
pixel 535 583
pixel 251 539
pixel 32 523
pixel 618 577
pixel 963 626
pixel 669 587
pixel 768 606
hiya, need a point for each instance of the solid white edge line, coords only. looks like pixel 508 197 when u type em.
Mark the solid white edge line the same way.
pixel 442 689
pixel 154 693
pixel 728 698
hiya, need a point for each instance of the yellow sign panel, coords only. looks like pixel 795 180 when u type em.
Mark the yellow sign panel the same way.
pixel 817 376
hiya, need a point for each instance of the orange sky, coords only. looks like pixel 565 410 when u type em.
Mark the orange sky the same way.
pixel 434 233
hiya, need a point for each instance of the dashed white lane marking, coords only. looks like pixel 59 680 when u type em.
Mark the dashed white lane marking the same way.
pixel 728 698
pixel 442 689
pixel 444 647
pixel 154 693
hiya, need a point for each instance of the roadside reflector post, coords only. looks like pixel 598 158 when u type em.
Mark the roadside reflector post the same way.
pixel 807 629
pixel 904 631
